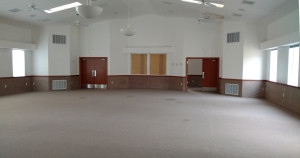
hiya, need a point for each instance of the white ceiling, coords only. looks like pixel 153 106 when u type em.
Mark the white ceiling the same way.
pixel 116 9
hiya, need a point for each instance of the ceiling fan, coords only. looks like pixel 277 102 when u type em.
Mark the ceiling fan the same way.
pixel 32 7
pixel 216 3
pixel 210 18
pixel 78 23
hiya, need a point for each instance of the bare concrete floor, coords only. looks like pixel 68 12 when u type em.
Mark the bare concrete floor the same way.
pixel 144 123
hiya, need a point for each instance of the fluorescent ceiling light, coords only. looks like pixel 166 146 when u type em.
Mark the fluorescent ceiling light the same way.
pixel 218 5
pixel 192 1
pixel 63 7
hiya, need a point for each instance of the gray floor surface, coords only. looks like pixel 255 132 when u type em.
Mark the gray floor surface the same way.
pixel 144 124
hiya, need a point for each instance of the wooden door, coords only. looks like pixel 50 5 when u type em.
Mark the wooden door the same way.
pixel 86 71
pixel 210 68
pixel 100 70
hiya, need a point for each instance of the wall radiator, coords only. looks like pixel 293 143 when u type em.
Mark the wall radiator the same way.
pixel 231 89
pixel 59 84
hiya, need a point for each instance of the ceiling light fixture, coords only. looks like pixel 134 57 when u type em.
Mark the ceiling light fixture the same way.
pixel 218 5
pixel 206 2
pixel 192 1
pixel 88 11
pixel 63 7
pixel 127 31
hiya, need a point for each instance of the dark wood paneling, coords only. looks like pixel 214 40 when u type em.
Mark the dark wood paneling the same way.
pixel 194 80
pixel 15 85
pixel 284 95
pixel 224 81
pixel 146 82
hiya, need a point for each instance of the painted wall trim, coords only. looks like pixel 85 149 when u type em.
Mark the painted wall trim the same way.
pixel 151 50
pixel 38 76
pixel 18 45
pixel 240 79
pixel 282 84
pixel 261 81
pixel 145 76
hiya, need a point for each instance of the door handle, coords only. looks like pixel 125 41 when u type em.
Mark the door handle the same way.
pixel 203 75
pixel 95 72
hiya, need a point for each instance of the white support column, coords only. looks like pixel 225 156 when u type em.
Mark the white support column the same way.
pixel 148 64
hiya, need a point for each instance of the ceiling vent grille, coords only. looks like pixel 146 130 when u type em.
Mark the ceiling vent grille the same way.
pixel 231 89
pixel 248 2
pixel 59 84
pixel 15 10
pixel 233 37
pixel 237 15
pixel 59 39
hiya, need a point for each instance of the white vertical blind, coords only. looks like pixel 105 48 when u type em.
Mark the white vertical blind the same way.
pixel 293 70
pixel 18 59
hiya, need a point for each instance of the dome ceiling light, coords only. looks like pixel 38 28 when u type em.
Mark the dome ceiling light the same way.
pixel 127 31
pixel 88 11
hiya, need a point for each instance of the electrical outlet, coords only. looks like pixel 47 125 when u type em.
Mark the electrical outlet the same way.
pixel 5 86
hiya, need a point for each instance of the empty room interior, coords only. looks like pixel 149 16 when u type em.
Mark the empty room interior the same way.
pixel 149 79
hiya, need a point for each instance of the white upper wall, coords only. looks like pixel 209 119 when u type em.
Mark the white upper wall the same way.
pixel 232 63
pixel 59 54
pixel 253 58
pixel 284 26
pixel 6 63
pixel 15 33
pixel 40 54
pixel 186 37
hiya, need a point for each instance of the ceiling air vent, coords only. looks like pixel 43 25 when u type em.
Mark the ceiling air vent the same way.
pixel 233 37
pixel 248 2
pixel 15 10
pixel 237 15
pixel 59 39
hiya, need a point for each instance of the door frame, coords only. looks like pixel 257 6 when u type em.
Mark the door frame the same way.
pixel 80 85
pixel 186 70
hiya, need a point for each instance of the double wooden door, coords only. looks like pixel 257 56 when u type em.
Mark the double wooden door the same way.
pixel 93 72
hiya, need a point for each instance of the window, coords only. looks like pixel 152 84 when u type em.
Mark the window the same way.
pixel 18 59
pixel 293 69
pixel 148 64
pixel 139 64
pixel 273 65
pixel 158 64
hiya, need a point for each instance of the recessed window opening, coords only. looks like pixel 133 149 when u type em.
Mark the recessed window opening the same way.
pixel 273 65
pixel 18 60
pixel 293 68
pixel 148 64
